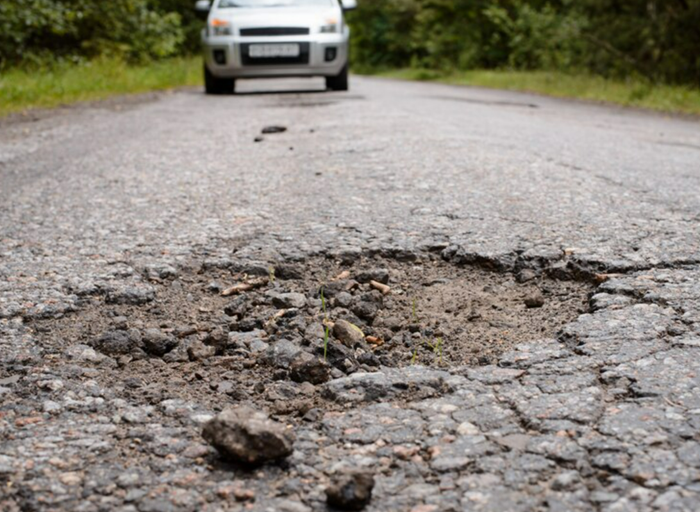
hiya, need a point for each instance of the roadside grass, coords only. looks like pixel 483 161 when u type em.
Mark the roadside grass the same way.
pixel 630 93
pixel 23 89
pixel 62 84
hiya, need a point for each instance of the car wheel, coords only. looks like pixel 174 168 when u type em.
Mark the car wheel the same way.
pixel 214 85
pixel 338 82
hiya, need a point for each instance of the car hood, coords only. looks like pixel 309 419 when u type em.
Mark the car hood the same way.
pixel 279 16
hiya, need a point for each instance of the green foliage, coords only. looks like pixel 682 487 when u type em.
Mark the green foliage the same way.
pixel 537 38
pixel 436 348
pixel 656 39
pixel 382 32
pixel 50 30
pixel 191 24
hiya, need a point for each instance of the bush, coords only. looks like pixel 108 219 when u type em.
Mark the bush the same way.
pixel 39 30
pixel 538 38
pixel 653 38
pixel 191 24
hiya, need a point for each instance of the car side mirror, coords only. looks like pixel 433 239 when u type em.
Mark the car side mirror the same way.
pixel 202 8
pixel 348 5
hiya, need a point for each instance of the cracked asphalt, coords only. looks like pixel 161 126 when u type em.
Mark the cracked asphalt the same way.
pixel 604 416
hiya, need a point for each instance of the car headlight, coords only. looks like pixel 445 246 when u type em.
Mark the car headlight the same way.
pixel 331 27
pixel 221 27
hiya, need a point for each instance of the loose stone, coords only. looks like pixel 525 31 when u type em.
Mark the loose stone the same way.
pixel 348 334
pixel 245 435
pixel 307 368
pixel 350 491
pixel 534 301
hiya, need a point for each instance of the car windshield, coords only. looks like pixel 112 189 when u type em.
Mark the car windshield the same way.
pixel 254 4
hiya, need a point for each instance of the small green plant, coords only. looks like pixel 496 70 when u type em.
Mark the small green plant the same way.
pixel 271 272
pixel 415 320
pixel 436 348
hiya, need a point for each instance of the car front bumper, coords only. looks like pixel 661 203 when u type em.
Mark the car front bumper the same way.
pixel 226 56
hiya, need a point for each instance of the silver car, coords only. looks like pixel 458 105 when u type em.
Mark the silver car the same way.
pixel 274 38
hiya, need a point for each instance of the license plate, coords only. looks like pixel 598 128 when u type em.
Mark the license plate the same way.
pixel 271 51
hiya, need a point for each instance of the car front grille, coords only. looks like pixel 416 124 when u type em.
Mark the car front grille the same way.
pixel 274 31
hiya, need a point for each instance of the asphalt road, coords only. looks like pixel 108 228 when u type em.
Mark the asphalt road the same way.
pixel 606 417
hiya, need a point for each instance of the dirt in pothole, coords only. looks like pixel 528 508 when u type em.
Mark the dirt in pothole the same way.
pixel 202 339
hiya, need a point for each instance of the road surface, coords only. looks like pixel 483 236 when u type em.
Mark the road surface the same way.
pixel 106 206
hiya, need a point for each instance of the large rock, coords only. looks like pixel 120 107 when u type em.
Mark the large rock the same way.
pixel 133 295
pixel 366 310
pixel 390 383
pixel 157 343
pixel 118 342
pixel 350 491
pixel 282 353
pixel 238 306
pixel 339 356
pixel 381 275
pixel 289 300
pixel 308 368
pixel 198 351
pixel 237 339
pixel 244 435
pixel 348 334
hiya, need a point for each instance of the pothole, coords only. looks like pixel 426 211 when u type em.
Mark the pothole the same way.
pixel 273 334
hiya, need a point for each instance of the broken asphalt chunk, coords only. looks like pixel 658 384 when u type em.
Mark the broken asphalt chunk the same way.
pixel 247 436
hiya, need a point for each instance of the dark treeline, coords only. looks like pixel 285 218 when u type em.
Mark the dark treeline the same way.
pixel 46 31
pixel 657 39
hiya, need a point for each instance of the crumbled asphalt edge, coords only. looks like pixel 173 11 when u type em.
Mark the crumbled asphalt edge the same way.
pixel 558 265
pixel 561 268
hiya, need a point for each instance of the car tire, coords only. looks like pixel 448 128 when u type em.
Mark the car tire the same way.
pixel 338 82
pixel 214 85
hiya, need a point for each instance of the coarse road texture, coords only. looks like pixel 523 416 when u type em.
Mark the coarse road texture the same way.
pixel 117 203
